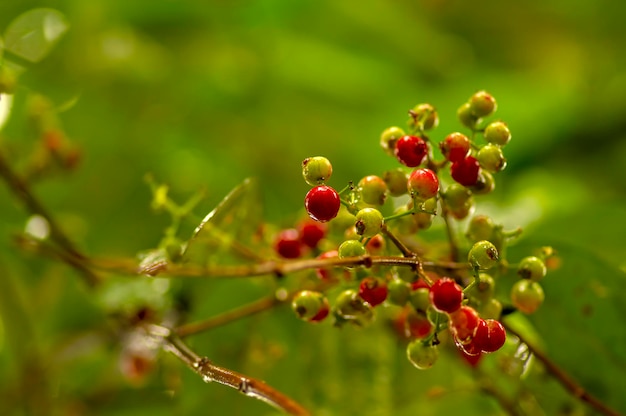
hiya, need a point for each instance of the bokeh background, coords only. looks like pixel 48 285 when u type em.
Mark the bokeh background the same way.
pixel 203 94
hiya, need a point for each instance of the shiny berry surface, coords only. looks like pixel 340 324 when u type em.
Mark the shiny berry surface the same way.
pixel 465 171
pixel 373 290
pixel 322 203
pixel 423 184
pixel 446 295
pixel 411 150
pixel 288 244
pixel 455 147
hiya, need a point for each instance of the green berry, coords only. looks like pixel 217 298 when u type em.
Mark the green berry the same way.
pixel 458 200
pixel 389 137
pixel 420 299
pixel 485 183
pixel 466 117
pixel 396 181
pixel 369 222
pixel 423 116
pixel 307 304
pixel 491 158
pixel 527 295
pixel 532 268
pixel 373 190
pixel 350 306
pixel 399 292
pixel 316 170
pixel 483 255
pixel 351 248
pixel 491 309
pixel 422 356
pixel 484 290
pixel 498 133
pixel 480 227
pixel 482 104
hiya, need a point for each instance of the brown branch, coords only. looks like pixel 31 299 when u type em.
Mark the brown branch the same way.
pixel 406 252
pixel 210 372
pixel 21 190
pixel 564 378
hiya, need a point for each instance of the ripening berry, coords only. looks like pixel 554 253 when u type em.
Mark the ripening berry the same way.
pixel 497 133
pixel 466 117
pixel 373 290
pixel 463 323
pixel 423 184
pixel 532 268
pixel 422 356
pixel 459 200
pixel 484 184
pixel 419 298
pixel 316 170
pixel 491 158
pixel 411 150
pixel 351 248
pixel 389 137
pixel 308 304
pixel 373 190
pixel 483 255
pixel 465 171
pixel 480 227
pixel 375 244
pixel 398 292
pixel 288 244
pixel 312 232
pixel 455 147
pixel 482 104
pixel 322 203
pixel 446 295
pixel 484 290
pixel 396 181
pixel 329 274
pixel 417 325
pixel 527 295
pixel 369 222
pixel 424 115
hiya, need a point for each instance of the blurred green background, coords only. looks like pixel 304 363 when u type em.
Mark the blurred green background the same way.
pixel 205 94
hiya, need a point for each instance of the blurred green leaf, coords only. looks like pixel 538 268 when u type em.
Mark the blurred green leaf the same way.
pixel 32 35
pixel 228 228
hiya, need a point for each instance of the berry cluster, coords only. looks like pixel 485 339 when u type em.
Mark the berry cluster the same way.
pixel 382 217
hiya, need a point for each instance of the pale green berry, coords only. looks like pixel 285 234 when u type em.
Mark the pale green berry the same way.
pixel 396 181
pixel 422 356
pixel 398 291
pixel 424 115
pixel 480 227
pixel 498 133
pixel 420 299
pixel 351 248
pixel 482 104
pixel 483 255
pixel 373 190
pixel 369 222
pixel 491 158
pixel 389 137
pixel 484 290
pixel 307 304
pixel 485 183
pixel 527 295
pixel 532 268
pixel 316 170
pixel 466 117
pixel 491 309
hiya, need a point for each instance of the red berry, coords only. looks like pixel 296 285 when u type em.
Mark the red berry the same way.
pixel 411 150
pixel 465 171
pixel 322 203
pixel 455 147
pixel 490 335
pixel 423 184
pixel 463 323
pixel 446 295
pixel 288 244
pixel 417 325
pixel 330 273
pixel 373 290
pixel 473 359
pixel 323 312
pixel 312 232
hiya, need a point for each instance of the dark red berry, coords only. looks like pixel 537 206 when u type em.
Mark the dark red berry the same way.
pixel 446 295
pixel 312 232
pixel 322 203
pixel 373 290
pixel 288 244
pixel 465 171
pixel 455 147
pixel 411 150
pixel 490 335
pixel 463 323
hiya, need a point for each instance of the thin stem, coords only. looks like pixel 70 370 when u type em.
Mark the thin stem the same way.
pixel 454 247
pixel 564 378
pixel 22 191
pixel 210 372
pixel 406 252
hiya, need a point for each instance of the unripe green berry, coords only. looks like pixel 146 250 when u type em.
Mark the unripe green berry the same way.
pixel 458 200
pixel 373 190
pixel 307 304
pixel 527 295
pixel 498 133
pixel 396 181
pixel 422 356
pixel 436 317
pixel 484 290
pixel 491 309
pixel 485 183
pixel 351 248
pixel 349 305
pixel 482 104
pixel 316 170
pixel 369 222
pixel 491 158
pixel 424 115
pixel 466 117
pixel 483 255
pixel 399 292
pixel 389 137
pixel 480 227
pixel 532 268
pixel 420 299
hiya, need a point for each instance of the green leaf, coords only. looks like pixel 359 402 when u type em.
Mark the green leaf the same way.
pixel 228 228
pixel 33 34
pixel 582 321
